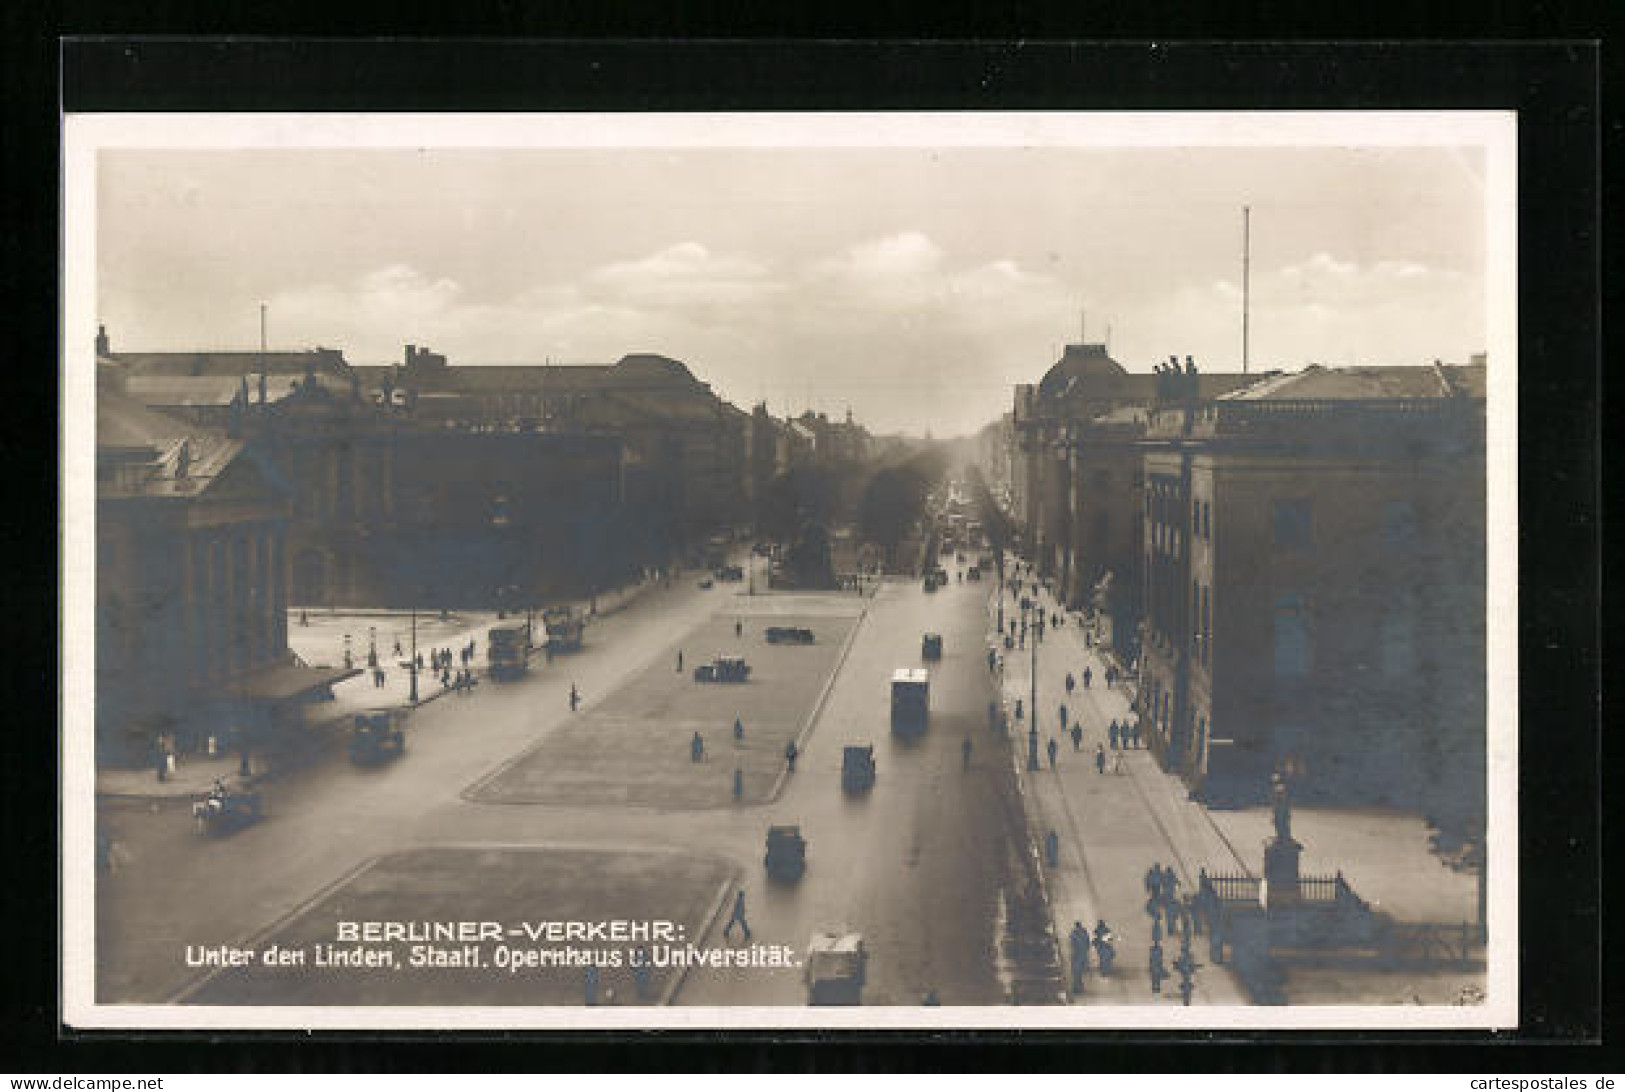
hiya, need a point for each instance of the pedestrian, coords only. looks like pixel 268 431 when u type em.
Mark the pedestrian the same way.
pixel 590 981
pixel 1158 971
pixel 1105 952
pixel 739 730
pixel 1153 879
pixel 696 748
pixel 964 753
pixel 1052 849
pixel 1063 716
pixel 679 661
pixel 790 754
pixel 739 628
pixel 739 783
pixel 397 646
pixel 1156 929
pixel 160 762
pixel 1136 734
pixel 1111 734
pixel 1077 737
pixel 1117 763
pixel 1087 675
pixel 1052 747
pixel 1018 708
pixel 992 659
pixel 1070 683
pixel 738 917
pixel 575 698
pixel 1100 759
pixel 1078 939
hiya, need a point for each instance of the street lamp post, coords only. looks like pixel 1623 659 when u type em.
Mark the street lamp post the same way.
pixel 1032 711
pixel 412 664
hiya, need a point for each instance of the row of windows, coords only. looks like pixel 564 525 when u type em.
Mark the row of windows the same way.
pixel 1294 636
pixel 1293 524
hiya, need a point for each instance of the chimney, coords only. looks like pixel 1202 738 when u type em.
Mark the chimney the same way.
pixel 104 347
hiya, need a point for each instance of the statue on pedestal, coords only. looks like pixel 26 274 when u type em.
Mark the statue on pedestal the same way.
pixel 1281 795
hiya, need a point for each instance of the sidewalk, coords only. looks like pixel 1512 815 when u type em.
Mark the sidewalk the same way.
pixel 1110 827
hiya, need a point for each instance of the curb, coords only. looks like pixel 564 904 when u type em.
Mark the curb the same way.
pixel 669 997
pixel 818 706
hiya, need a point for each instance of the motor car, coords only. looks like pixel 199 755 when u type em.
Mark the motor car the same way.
pixel 858 768
pixel 376 737
pixel 786 857
pixel 723 669
pixel 789 635
pixel 835 969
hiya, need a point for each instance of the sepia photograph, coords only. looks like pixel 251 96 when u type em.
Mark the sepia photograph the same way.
pixel 827 570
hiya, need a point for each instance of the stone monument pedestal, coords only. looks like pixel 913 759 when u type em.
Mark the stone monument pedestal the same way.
pixel 1281 888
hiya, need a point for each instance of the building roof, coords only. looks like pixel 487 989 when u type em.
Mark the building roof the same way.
pixel 633 370
pixel 1329 384
pixel 1078 362
pixel 179 459
pixel 233 362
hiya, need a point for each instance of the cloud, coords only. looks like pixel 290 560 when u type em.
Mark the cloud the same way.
pixel 684 274
pixel 906 255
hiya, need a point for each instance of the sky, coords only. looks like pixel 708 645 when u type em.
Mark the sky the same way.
pixel 913 285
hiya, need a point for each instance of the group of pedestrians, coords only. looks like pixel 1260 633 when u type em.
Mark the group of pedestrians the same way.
pixel 1124 735
pixel 1082 944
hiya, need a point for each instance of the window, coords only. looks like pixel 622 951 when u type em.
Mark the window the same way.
pixel 1396 649
pixel 1398 524
pixel 1207 625
pixel 1292 652
pixel 1293 525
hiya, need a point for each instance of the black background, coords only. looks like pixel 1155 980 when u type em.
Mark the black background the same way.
pixel 1554 86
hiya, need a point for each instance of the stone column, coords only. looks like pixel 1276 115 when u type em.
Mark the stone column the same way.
pixel 219 606
pixel 189 637
pixel 279 598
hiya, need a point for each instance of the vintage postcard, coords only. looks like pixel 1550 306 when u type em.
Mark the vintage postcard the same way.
pixel 999 570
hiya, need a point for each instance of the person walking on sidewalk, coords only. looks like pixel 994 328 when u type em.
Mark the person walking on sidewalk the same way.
pixel 1080 944
pixel 1111 734
pixel 575 698
pixel 1100 759
pixel 1087 675
pixel 737 917
pixel 1063 716
pixel 679 661
pixel 1158 971
pixel 1136 733
pixel 1052 748
pixel 964 753
pixel 1070 683
pixel 1105 952
pixel 790 753
pixel 696 748
pixel 739 628
pixel 739 730
pixel 1077 737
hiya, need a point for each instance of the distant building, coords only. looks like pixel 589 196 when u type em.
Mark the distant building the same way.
pixel 685 443
pixel 1051 472
pixel 191 591
pixel 1314 586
